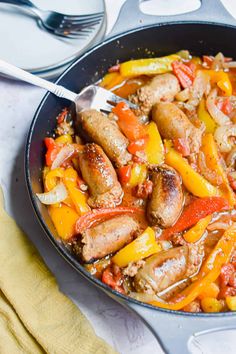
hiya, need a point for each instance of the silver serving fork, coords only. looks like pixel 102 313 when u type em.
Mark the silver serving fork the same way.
pixel 91 96
pixel 60 24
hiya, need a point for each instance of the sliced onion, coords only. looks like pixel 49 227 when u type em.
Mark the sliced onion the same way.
pixel 222 136
pixel 200 86
pixel 210 175
pixel 218 62
pixel 144 297
pixel 231 158
pixel 219 117
pixel 56 195
pixel 65 153
pixel 230 65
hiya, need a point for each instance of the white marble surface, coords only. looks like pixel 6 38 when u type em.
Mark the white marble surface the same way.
pixel 111 321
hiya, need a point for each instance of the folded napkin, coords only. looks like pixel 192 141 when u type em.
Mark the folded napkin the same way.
pixel 34 316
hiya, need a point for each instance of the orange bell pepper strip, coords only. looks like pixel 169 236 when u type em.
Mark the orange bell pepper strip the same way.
pixel 209 272
pixel 77 196
pixel 128 122
pixel 64 219
pixel 195 211
pixel 205 117
pixel 196 232
pixel 111 80
pixel 154 149
pixel 193 181
pixel 143 246
pixel 209 148
pixel 222 80
pixel 52 150
pixel 137 145
pixel 97 215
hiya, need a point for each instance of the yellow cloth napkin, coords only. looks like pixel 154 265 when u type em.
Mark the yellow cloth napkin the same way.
pixel 34 316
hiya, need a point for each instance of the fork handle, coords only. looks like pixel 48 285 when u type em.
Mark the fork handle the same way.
pixel 17 73
pixel 18 2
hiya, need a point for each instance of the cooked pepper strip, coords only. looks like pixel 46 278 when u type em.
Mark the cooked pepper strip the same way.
pixel 209 148
pixel 113 280
pixel 184 73
pixel 222 80
pixel 78 197
pixel 193 181
pixel 149 66
pixel 154 149
pixel 112 80
pixel 128 122
pixel 64 219
pixel 52 150
pixel 64 139
pixel 137 145
pixel 138 174
pixel 205 117
pixel 51 178
pixel 196 232
pixel 124 174
pixel 208 274
pixel 97 215
pixel 194 212
pixel 143 246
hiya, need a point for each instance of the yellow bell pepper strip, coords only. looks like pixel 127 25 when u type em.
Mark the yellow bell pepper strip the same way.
pixel 78 197
pixel 143 246
pixel 196 232
pixel 138 174
pixel 64 139
pixel 149 66
pixel 64 219
pixel 192 180
pixel 208 274
pixel 154 148
pixel 53 177
pixel 195 211
pixel 209 148
pixel 205 117
pixel 222 80
pixel 111 80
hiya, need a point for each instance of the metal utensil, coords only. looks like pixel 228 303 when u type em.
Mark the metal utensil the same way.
pixel 91 96
pixel 70 26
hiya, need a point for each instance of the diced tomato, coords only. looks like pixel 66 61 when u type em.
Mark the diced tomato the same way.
pixel 114 68
pixel 225 106
pixel 182 146
pixel 113 280
pixel 226 272
pixel 137 145
pixel 124 173
pixel 226 291
pixel 232 280
pixel 232 182
pixel 143 190
pixel 183 73
pixel 61 117
pixel 52 150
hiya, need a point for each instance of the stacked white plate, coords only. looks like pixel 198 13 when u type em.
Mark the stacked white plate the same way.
pixel 27 45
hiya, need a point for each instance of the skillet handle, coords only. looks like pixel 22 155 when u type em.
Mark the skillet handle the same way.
pixel 131 16
pixel 181 334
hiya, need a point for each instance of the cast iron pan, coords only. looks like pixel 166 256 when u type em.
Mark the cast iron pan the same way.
pixel 176 331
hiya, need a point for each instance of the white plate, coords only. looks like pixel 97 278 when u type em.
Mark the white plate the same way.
pixel 25 44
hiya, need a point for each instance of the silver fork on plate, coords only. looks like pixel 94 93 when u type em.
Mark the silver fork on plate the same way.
pixel 70 26
pixel 91 96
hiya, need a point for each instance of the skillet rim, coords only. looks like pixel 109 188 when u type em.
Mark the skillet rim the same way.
pixel 56 243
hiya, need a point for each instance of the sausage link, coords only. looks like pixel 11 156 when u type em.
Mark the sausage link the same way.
pixel 100 176
pixel 165 204
pixel 108 237
pixel 106 133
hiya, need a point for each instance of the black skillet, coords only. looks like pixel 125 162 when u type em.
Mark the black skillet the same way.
pixel 198 32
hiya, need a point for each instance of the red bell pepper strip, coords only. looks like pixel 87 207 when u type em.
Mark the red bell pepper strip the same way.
pixel 194 212
pixel 137 145
pixel 225 106
pixel 97 215
pixel 182 146
pixel 128 122
pixel 61 117
pixel 208 59
pixel 183 73
pixel 124 173
pixel 113 280
pixel 114 68
pixel 52 150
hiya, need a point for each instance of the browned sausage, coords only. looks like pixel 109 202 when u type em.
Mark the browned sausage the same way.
pixel 106 133
pixel 100 176
pixel 108 237
pixel 162 270
pixel 173 123
pixel 166 201
pixel 161 88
